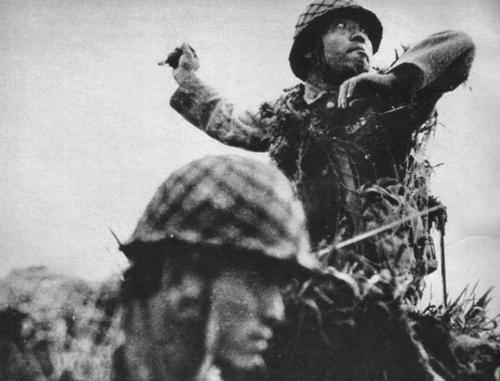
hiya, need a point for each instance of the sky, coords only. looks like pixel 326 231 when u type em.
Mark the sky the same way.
pixel 87 133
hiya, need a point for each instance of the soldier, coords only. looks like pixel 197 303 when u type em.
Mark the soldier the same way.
pixel 346 125
pixel 208 259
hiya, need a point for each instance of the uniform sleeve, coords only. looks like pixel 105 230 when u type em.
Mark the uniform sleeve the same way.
pixel 443 60
pixel 203 107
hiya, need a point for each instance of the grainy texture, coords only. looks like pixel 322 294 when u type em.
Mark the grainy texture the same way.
pixel 342 326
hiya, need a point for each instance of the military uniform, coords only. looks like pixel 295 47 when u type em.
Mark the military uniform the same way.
pixel 329 152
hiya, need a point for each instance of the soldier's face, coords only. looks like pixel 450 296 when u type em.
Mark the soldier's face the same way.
pixel 245 308
pixel 347 50
pixel 232 317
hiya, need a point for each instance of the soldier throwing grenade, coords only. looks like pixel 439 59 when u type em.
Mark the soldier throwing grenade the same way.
pixel 346 127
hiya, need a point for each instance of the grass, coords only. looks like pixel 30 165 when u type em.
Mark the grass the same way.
pixel 467 314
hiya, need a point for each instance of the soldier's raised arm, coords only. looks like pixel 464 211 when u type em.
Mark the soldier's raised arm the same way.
pixel 205 108
pixel 442 60
pixel 437 64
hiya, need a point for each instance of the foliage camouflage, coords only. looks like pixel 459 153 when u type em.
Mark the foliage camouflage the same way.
pixel 341 326
pixel 356 322
pixel 60 328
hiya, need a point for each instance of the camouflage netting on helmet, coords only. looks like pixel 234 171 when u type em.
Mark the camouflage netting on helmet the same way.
pixel 226 201
pixel 313 20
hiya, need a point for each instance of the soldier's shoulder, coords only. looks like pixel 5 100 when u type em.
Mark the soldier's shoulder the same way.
pixel 296 90
pixel 292 98
pixel 289 99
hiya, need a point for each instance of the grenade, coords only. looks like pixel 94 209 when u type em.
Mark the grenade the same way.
pixel 174 57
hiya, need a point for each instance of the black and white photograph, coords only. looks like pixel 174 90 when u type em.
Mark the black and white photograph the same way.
pixel 236 190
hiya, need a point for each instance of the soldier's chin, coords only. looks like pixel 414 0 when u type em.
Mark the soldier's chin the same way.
pixel 360 65
pixel 348 70
pixel 246 362
pixel 242 368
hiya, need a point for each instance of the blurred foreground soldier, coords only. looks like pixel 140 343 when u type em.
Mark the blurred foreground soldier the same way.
pixel 215 245
pixel 347 125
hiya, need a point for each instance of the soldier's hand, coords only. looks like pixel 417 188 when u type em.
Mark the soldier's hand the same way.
pixel 184 62
pixel 365 85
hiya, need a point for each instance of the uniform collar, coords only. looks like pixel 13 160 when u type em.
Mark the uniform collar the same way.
pixel 313 93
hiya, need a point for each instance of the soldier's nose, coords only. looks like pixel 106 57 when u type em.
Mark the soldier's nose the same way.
pixel 358 36
pixel 272 308
pixel 263 332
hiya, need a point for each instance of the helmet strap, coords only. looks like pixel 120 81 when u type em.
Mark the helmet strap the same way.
pixel 319 74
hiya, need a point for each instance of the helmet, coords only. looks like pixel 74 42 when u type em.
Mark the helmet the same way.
pixel 315 14
pixel 227 202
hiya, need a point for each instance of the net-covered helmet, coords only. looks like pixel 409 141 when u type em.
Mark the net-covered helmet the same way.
pixel 227 202
pixel 315 15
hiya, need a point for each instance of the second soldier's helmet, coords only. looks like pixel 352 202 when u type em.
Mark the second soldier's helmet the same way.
pixel 227 202
pixel 311 21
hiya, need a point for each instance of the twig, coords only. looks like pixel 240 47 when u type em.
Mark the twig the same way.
pixel 371 233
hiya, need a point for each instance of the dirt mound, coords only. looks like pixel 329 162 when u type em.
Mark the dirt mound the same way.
pixel 57 327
